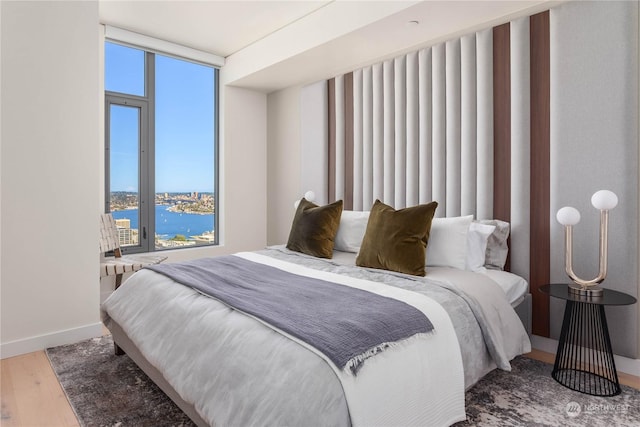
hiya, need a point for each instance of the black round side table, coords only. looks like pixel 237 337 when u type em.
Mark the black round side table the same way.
pixel 584 360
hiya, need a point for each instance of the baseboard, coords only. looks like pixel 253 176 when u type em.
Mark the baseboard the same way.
pixel 31 344
pixel 623 364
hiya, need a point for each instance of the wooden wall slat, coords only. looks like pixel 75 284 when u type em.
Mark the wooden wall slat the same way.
pixel 540 171
pixel 502 124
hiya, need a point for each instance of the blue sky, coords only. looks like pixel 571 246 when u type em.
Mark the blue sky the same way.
pixel 184 122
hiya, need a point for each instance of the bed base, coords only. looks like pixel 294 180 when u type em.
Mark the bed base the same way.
pixel 123 342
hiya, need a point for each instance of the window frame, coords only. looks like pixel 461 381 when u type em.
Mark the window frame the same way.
pixel 146 168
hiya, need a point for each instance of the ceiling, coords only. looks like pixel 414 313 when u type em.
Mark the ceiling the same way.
pixel 269 45
pixel 218 27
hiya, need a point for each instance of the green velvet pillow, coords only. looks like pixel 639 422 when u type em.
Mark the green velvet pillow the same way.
pixel 314 228
pixel 396 240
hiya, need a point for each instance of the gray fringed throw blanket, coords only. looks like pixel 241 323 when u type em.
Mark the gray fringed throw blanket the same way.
pixel 348 325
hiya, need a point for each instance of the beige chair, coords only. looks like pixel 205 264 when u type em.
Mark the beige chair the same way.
pixel 119 264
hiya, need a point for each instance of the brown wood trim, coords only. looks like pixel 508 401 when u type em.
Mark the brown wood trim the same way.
pixel 502 124
pixel 348 141
pixel 331 101
pixel 540 205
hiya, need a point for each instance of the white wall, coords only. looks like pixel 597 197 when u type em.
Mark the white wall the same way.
pixel 283 160
pixel 52 167
pixel 0 169
pixel 314 136
pixel 297 153
pixel 594 146
pixel 49 167
pixel 244 171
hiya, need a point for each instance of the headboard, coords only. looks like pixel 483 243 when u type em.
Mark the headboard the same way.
pixel 465 123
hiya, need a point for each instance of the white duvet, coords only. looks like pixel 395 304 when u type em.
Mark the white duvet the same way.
pixel 237 371
pixel 396 387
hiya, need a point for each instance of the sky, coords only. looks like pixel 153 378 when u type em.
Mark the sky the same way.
pixel 184 130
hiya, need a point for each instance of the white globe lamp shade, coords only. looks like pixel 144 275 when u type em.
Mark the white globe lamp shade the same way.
pixel 568 216
pixel 296 204
pixel 604 200
pixel 310 196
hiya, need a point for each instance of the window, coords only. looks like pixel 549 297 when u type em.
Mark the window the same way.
pixel 161 149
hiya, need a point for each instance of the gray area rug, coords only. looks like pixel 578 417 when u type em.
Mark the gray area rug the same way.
pixel 109 390
pixel 529 396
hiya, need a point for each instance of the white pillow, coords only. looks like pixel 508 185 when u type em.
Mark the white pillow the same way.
pixel 447 245
pixel 477 239
pixel 353 225
pixel 497 247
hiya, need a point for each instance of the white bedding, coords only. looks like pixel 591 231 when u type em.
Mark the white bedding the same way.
pixel 514 286
pixel 396 386
pixel 236 371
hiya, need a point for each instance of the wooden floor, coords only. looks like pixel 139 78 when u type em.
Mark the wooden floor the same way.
pixel 32 396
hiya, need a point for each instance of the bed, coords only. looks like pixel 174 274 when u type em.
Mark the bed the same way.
pixel 228 366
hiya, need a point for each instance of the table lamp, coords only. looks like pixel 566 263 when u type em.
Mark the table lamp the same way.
pixel 604 200
pixel 309 195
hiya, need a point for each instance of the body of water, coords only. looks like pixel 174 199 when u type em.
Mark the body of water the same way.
pixel 168 224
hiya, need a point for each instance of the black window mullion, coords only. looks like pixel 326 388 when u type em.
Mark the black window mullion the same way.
pixel 216 154
pixel 150 196
pixel 144 234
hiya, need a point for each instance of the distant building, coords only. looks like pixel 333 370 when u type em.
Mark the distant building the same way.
pixel 126 235
pixel 123 223
pixel 163 244
pixel 208 237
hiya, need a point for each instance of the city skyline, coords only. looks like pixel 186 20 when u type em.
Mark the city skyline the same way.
pixel 183 201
